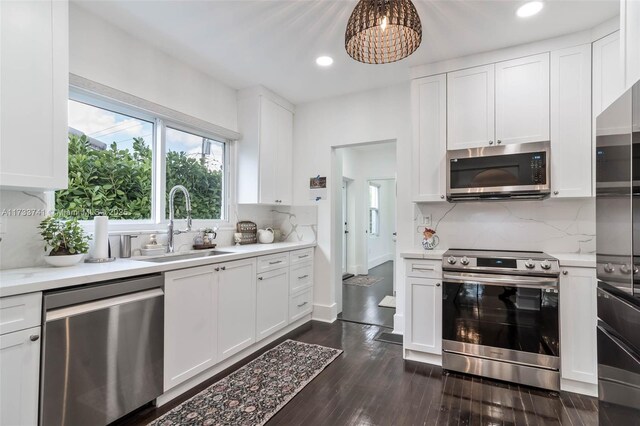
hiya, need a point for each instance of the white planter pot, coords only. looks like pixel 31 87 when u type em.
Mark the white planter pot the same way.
pixel 64 260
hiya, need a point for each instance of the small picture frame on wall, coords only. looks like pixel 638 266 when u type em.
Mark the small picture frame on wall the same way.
pixel 317 188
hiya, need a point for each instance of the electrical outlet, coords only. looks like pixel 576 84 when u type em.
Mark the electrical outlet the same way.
pixel 426 220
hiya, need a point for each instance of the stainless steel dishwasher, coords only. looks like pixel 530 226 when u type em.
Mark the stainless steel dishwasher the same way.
pixel 102 353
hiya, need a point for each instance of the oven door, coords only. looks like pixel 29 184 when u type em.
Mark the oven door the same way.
pixel 510 318
pixel 501 171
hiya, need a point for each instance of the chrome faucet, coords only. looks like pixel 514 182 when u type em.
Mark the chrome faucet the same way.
pixel 187 201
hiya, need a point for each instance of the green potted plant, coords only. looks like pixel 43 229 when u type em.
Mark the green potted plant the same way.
pixel 64 239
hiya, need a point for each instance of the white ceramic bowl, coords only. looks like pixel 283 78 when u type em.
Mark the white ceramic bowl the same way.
pixel 64 260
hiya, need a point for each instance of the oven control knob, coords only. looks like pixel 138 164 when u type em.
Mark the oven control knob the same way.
pixel 464 260
pixel 530 264
pixel 451 260
pixel 546 265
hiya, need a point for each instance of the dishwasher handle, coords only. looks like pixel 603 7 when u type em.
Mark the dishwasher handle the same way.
pixel 85 308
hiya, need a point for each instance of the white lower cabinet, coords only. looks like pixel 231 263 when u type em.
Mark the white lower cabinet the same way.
pixel 578 321
pixel 19 377
pixel 301 304
pixel 423 327
pixel 237 308
pixel 190 323
pixel 272 313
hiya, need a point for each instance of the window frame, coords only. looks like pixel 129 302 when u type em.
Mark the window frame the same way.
pixel 375 210
pixel 158 220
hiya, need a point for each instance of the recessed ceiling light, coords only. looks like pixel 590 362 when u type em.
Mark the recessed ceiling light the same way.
pixel 324 61
pixel 530 9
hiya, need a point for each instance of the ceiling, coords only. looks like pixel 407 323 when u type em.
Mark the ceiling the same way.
pixel 274 43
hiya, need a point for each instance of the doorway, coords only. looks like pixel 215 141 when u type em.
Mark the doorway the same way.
pixel 368 233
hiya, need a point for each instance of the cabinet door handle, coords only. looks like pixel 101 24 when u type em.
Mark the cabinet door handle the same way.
pixel 224 268
pixel 556 192
pixel 217 269
pixel 261 278
pixel 442 197
pixel 490 142
pixel 437 284
pixel 275 263
pixel 303 277
pixel 302 304
pixel 303 256
pixel 423 269
pixel 499 141
pixel 34 337
pixel 565 272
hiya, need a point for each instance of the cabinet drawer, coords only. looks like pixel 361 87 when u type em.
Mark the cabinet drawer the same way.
pixel 424 268
pixel 301 305
pixel 300 256
pixel 20 312
pixel 301 277
pixel 272 262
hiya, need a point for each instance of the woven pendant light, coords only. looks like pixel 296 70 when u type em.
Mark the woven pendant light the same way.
pixel 383 31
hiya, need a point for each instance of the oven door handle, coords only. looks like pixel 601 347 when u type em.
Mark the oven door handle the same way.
pixel 501 280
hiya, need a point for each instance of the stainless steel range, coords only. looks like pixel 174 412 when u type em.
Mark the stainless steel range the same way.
pixel 500 316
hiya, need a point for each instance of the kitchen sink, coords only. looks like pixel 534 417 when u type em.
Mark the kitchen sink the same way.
pixel 185 256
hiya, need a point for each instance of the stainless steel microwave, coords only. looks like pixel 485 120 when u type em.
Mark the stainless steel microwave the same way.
pixel 507 172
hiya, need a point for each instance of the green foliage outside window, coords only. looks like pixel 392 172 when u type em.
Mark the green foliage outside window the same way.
pixel 117 182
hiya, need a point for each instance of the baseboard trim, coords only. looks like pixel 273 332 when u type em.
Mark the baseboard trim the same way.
pixel 380 260
pixel 398 324
pixel 325 313
pixel 583 388
pixel 229 363
pixel 411 355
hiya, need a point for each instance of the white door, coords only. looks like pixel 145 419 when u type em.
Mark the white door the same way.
pixel 345 228
pixel 19 377
pixel 578 325
pixel 237 307
pixel 470 107
pixel 190 323
pixel 429 112
pixel 424 312
pixel 608 73
pixel 272 313
pixel 522 100
pixel 571 174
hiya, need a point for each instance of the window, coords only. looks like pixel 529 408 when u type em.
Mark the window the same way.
pixel 123 163
pixel 374 209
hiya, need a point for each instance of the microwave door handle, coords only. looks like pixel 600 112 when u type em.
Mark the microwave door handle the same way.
pixel 499 280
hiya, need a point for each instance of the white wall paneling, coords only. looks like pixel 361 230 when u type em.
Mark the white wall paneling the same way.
pixel 571 148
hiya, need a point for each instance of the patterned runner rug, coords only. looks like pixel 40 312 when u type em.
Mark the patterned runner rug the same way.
pixel 255 392
pixel 362 280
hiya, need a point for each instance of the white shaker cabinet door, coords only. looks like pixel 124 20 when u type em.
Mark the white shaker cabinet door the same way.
pixel 190 323
pixel 571 157
pixel 578 320
pixel 522 100
pixel 237 307
pixel 429 112
pixel 34 81
pixel 608 72
pixel 19 377
pixel 272 312
pixel 424 313
pixel 471 107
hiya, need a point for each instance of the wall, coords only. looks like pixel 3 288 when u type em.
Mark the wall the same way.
pixel 360 165
pixel 105 54
pixel 376 115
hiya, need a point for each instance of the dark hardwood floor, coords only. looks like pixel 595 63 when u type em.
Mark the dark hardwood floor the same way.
pixel 370 384
pixel 360 304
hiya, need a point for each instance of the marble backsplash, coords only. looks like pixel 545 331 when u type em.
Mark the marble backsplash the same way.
pixel 553 226
pixel 21 245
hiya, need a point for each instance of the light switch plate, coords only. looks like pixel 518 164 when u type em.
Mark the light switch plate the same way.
pixel 426 220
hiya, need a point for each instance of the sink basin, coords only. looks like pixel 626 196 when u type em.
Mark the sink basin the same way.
pixel 185 256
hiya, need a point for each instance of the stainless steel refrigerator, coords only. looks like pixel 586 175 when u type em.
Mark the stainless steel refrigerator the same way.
pixel 618 259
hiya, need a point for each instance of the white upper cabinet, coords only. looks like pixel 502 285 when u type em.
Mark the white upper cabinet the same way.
pixel 571 122
pixel 522 100
pixel 429 106
pixel 630 39
pixel 608 73
pixel 265 162
pixel 34 82
pixel 470 107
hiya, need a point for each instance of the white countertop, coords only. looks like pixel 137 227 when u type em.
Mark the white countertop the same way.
pixel 566 259
pixel 28 280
